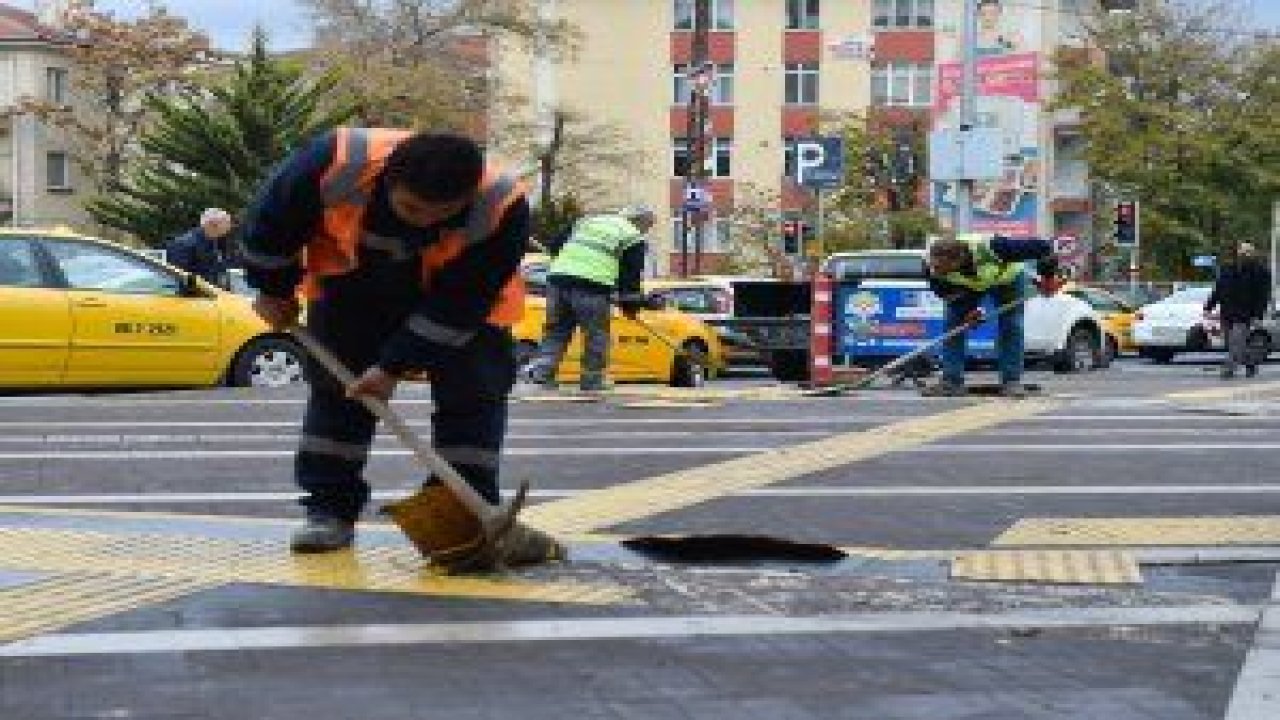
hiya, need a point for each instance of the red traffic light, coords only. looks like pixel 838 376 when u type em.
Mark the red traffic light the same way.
pixel 1124 212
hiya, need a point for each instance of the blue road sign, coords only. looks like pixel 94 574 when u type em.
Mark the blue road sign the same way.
pixel 820 162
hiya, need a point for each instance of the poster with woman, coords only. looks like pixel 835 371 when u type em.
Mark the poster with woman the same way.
pixel 1009 99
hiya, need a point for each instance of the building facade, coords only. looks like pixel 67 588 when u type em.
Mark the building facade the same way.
pixel 780 66
pixel 39 183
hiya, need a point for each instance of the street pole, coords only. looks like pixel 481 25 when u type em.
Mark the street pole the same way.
pixel 819 245
pixel 968 110
pixel 1275 242
pixel 1135 260
pixel 696 132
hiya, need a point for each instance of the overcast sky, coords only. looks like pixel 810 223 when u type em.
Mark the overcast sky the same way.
pixel 230 21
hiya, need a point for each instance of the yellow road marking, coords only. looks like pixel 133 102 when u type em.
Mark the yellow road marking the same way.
pixel 1137 532
pixel 217 560
pixel 57 601
pixel 1048 566
pixel 606 507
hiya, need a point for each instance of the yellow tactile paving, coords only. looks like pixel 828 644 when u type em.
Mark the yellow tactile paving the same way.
pixel 1048 566
pixel 1138 532
pixel 222 561
pixel 60 600
pixel 598 509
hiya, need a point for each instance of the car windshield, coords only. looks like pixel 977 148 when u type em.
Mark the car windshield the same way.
pixel 1189 296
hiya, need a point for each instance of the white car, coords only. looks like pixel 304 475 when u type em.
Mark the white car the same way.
pixel 1062 329
pixel 1177 324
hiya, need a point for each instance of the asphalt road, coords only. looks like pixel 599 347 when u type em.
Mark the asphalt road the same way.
pixel 142 572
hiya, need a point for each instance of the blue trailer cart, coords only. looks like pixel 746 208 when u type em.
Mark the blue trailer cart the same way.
pixel 883 308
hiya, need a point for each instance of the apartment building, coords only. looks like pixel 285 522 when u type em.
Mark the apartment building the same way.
pixel 38 180
pixel 780 65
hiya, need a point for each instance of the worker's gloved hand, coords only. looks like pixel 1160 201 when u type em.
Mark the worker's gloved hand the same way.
pixel 281 313
pixel 1049 285
pixel 975 317
pixel 374 383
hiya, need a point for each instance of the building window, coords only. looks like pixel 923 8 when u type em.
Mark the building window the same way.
pixel 802 84
pixel 802 14
pixel 721 14
pixel 890 14
pixel 721 86
pixel 902 84
pixel 716 234
pixel 789 156
pixel 719 157
pixel 56 85
pixel 58 171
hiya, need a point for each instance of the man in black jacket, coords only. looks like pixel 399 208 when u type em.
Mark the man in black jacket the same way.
pixel 1242 295
pixel 202 251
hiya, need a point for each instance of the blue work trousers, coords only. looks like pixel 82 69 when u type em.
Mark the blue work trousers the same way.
pixel 469 390
pixel 1009 333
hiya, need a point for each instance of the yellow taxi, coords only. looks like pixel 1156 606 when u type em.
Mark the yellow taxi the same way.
pixel 636 352
pixel 1117 316
pixel 77 311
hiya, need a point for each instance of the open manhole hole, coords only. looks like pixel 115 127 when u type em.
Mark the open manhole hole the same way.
pixel 730 549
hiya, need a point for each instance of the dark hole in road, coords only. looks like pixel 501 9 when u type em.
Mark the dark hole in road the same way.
pixel 731 549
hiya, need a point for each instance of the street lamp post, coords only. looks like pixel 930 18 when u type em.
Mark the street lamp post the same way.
pixel 701 74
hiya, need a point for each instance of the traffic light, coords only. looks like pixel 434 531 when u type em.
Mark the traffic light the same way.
pixel 1126 223
pixel 791 230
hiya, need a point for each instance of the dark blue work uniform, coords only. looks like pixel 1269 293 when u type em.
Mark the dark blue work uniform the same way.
pixel 362 318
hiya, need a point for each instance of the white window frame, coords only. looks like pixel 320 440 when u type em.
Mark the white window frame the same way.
pixel 56 85
pixel 804 14
pixel 803 74
pixel 719 156
pixel 51 183
pixel 722 86
pixel 901 83
pixel 719 239
pixel 888 15
pixel 723 16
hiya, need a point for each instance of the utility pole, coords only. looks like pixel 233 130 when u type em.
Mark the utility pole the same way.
pixel 1275 247
pixel 701 76
pixel 968 110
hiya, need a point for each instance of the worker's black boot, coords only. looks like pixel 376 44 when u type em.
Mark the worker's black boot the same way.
pixel 1013 389
pixel 321 534
pixel 1250 371
pixel 944 389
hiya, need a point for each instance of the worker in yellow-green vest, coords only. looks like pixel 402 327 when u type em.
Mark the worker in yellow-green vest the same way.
pixel 601 254
pixel 963 270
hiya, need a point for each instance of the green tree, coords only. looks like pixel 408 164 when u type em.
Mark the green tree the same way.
pixel 212 148
pixel 1178 111
pixel 116 64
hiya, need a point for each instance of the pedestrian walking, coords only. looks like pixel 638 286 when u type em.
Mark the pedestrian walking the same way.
pixel 602 254
pixel 1241 295
pixel 407 248
pixel 203 250
pixel 963 270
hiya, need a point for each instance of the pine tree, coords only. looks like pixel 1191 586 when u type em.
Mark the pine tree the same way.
pixel 213 147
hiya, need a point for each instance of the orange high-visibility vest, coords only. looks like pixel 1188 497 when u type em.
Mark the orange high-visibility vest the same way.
pixel 347 186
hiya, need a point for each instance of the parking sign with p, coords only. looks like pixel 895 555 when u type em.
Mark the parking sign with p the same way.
pixel 820 162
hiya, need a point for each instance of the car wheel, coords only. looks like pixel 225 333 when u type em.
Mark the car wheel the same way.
pixel 685 372
pixel 1082 352
pixel 789 365
pixel 269 362
pixel 1160 356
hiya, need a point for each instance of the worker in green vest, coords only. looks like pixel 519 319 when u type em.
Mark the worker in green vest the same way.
pixel 600 255
pixel 964 270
